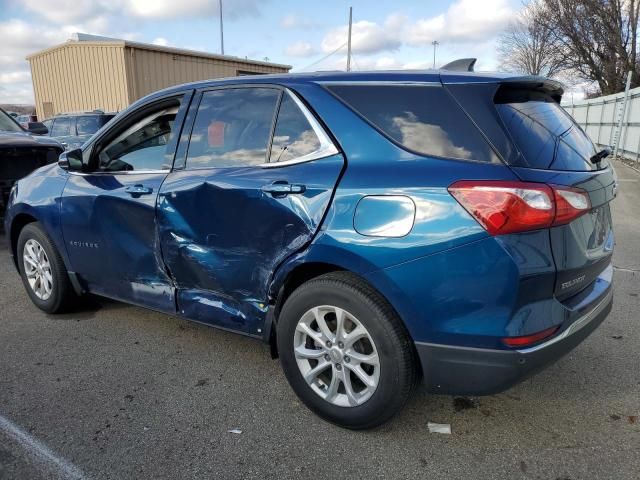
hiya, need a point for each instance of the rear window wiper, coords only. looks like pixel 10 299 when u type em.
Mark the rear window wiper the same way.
pixel 601 155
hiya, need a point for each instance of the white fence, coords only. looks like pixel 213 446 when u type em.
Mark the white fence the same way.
pixel 600 118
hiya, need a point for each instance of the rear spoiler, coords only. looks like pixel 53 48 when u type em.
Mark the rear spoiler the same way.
pixel 461 67
pixel 547 86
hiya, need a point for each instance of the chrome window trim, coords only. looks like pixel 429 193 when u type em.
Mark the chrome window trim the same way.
pixel 406 83
pixel 326 149
pixel 121 172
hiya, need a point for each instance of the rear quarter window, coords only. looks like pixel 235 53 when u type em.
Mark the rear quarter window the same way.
pixel 424 119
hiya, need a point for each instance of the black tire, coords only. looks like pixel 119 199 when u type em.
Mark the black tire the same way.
pixel 398 367
pixel 62 293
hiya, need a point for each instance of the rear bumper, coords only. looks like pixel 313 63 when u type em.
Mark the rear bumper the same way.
pixel 478 371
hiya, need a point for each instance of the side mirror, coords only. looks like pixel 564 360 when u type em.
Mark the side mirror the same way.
pixel 37 128
pixel 71 160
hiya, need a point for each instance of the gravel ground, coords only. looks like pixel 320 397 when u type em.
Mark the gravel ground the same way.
pixel 116 391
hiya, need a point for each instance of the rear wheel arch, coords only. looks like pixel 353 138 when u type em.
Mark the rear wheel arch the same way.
pixel 298 276
pixel 306 272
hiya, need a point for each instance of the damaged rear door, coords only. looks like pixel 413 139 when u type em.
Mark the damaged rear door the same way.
pixel 258 176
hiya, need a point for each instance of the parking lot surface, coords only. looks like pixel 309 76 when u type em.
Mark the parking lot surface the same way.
pixel 115 391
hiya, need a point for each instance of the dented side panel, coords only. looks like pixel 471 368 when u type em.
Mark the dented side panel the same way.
pixel 222 236
pixel 111 238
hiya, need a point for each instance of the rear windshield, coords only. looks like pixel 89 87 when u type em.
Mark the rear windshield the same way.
pixel 421 118
pixel 545 133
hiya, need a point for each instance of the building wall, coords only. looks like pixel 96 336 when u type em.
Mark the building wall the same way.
pixel 152 70
pixel 79 77
pixel 109 75
pixel 608 122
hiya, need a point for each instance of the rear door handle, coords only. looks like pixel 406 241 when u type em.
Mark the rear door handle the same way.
pixel 278 188
pixel 138 190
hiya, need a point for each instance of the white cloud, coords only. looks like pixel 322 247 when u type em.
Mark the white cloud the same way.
pixel 19 39
pixel 294 21
pixel 69 11
pixel 464 21
pixel 21 93
pixel 370 62
pixel 163 42
pixel 169 9
pixel 300 49
pixel 366 37
pixel 20 76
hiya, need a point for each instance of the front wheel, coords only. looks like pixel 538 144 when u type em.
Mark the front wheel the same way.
pixel 43 272
pixel 345 352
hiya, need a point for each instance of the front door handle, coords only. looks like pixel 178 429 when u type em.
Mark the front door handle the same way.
pixel 137 190
pixel 280 188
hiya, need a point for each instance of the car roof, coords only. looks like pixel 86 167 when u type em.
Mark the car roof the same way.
pixel 409 76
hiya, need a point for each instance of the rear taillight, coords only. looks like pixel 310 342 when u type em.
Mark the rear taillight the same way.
pixel 503 207
pixel 570 204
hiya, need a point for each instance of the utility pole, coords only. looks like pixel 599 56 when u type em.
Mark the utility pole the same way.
pixel 623 112
pixel 435 43
pixel 221 31
pixel 349 40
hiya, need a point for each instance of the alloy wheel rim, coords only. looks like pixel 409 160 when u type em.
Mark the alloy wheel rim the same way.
pixel 337 356
pixel 37 269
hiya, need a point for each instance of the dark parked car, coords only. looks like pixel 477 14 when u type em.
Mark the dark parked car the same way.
pixel 72 130
pixel 21 153
pixel 26 120
pixel 374 228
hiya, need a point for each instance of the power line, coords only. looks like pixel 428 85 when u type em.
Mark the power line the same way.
pixel 325 57
pixel 353 59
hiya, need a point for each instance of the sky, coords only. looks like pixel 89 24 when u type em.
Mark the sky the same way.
pixel 386 35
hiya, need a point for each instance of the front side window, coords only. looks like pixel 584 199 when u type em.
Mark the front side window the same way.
pixel 232 128
pixel 61 127
pixel 422 118
pixel 141 146
pixel 294 136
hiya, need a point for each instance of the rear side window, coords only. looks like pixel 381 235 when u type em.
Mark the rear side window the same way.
pixel 88 125
pixel 422 118
pixel 61 127
pixel 545 134
pixel 294 136
pixel 232 128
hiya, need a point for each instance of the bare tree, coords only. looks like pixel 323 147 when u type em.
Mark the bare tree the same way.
pixel 597 38
pixel 527 46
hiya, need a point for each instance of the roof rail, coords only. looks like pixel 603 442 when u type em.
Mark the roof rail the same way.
pixel 460 65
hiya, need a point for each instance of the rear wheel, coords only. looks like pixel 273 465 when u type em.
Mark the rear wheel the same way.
pixel 345 352
pixel 43 272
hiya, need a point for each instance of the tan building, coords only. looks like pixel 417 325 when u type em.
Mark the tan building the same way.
pixel 92 72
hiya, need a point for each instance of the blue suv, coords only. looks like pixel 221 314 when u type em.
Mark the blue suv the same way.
pixel 376 229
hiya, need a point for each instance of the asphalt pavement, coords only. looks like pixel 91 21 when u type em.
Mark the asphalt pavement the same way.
pixel 118 392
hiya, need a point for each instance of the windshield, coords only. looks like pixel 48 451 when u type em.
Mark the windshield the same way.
pixel 7 124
